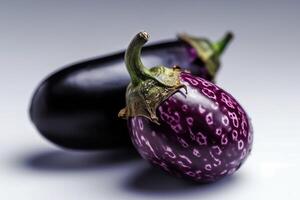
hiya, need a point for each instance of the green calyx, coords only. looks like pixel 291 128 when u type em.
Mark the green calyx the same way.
pixel 148 87
pixel 208 52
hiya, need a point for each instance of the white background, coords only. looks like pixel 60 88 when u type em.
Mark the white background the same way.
pixel 261 69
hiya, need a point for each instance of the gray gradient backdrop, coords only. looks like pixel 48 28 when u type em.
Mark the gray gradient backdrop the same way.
pixel 261 69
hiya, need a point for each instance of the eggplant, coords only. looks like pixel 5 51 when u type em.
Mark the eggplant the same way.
pixel 77 107
pixel 182 123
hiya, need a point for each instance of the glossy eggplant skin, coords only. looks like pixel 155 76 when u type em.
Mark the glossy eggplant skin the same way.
pixel 203 134
pixel 77 106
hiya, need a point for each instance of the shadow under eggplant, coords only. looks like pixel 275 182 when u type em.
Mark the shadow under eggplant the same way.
pixel 151 180
pixel 62 160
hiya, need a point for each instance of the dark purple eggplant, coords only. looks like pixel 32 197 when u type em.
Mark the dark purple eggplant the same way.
pixel 76 107
pixel 183 123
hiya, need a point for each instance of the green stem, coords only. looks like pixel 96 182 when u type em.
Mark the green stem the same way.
pixel 220 46
pixel 138 72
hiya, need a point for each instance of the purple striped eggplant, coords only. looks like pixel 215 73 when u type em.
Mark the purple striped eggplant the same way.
pixel 182 123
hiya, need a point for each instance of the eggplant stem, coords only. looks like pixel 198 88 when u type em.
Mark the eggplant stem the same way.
pixel 220 46
pixel 138 72
pixel 149 87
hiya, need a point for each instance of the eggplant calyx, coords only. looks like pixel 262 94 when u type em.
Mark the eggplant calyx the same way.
pixel 209 53
pixel 148 87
